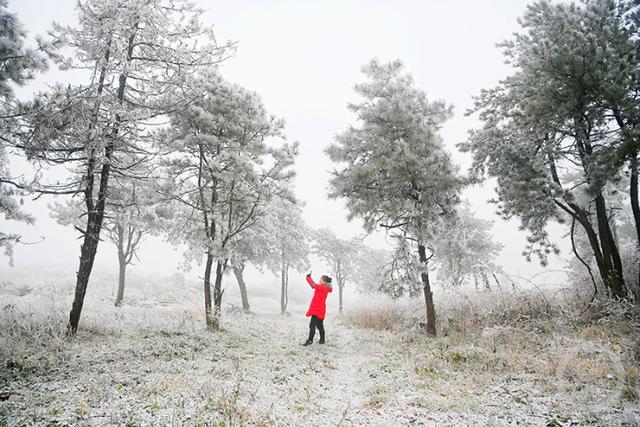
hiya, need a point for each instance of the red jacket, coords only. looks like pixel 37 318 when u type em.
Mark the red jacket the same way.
pixel 318 306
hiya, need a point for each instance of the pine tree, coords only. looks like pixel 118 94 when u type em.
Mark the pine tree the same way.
pixel 131 215
pixel 226 159
pixel 18 64
pixel 559 128
pixel 341 255
pixel 138 55
pixel 290 241
pixel 369 269
pixel 393 169
pixel 254 246
pixel 466 249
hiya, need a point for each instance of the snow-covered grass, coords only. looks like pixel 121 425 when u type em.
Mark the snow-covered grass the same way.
pixel 500 358
pixel 521 355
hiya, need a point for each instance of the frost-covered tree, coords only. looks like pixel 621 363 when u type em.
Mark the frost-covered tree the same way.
pixel 278 241
pixel 584 267
pixel 466 249
pixel 18 64
pixel 130 216
pixel 369 266
pixel 255 246
pixel 559 128
pixel 393 169
pixel 137 55
pixel 226 159
pixel 341 255
pixel 290 243
pixel 9 208
pixel 401 275
pixel 618 53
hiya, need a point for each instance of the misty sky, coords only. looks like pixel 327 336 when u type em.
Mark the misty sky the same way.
pixel 304 57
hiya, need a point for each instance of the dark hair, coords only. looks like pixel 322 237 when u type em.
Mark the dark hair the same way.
pixel 326 279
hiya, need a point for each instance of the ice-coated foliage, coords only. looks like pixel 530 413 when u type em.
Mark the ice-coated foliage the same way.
pixel 291 243
pixel 466 249
pixel 553 131
pixel 291 235
pixel 9 207
pixel 369 265
pixel 18 64
pixel 393 170
pixel 255 245
pixel 132 208
pixel 226 159
pixel 342 256
pixel 138 58
pixel 401 274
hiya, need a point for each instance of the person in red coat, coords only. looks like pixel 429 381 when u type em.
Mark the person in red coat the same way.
pixel 318 306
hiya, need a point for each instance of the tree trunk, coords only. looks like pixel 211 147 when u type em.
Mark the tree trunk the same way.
pixel 87 256
pixel 497 282
pixel 612 263
pixel 122 266
pixel 238 272
pixel 96 216
pixel 284 281
pixel 602 245
pixel 94 220
pixel 217 292
pixel 90 242
pixel 211 324
pixel 485 280
pixel 635 208
pixel 594 241
pixel 340 281
pixel 428 295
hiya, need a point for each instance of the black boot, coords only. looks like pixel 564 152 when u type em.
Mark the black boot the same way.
pixel 321 341
pixel 308 342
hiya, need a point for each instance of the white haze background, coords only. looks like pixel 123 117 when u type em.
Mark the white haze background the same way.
pixel 304 57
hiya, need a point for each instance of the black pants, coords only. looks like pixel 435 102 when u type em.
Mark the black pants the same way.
pixel 316 322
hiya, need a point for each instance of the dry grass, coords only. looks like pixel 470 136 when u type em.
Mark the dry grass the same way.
pixel 469 313
pixel 381 316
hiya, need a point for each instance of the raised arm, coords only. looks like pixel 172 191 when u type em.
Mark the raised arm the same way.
pixel 311 282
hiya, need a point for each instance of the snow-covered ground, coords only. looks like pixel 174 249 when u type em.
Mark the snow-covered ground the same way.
pixel 155 363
